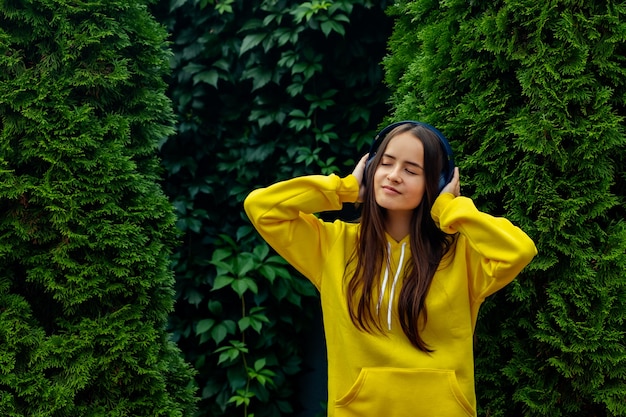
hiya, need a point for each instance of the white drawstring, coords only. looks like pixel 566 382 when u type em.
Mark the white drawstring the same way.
pixel 393 285
pixel 384 286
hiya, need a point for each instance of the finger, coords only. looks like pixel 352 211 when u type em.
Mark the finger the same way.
pixel 360 168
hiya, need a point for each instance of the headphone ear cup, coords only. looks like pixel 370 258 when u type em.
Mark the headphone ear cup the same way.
pixel 448 171
pixel 442 182
pixel 366 169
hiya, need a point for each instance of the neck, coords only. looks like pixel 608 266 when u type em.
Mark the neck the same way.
pixel 397 224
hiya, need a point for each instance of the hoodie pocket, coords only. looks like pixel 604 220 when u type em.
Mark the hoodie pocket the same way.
pixel 399 392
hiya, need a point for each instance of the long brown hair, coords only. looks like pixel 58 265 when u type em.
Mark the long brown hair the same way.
pixel 428 246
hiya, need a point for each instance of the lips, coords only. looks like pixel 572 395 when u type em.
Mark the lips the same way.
pixel 390 189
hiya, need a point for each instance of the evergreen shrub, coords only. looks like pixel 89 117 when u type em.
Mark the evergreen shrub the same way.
pixel 533 97
pixel 86 232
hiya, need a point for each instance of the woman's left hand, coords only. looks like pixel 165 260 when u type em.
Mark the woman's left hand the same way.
pixel 454 186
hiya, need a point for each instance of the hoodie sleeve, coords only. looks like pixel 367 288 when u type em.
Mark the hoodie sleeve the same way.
pixel 497 250
pixel 283 214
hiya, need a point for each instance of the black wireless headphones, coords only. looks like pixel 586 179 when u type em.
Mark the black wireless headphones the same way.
pixel 448 167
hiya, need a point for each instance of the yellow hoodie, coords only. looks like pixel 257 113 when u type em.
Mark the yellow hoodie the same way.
pixel 384 375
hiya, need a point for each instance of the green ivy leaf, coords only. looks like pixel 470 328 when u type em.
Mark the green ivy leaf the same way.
pixel 268 272
pixel 204 326
pixel 260 76
pixel 250 41
pixel 242 285
pixel 330 26
pixel 219 332
pixel 220 255
pixel 221 282
pixel 210 77
pixel 245 264
pixel 215 307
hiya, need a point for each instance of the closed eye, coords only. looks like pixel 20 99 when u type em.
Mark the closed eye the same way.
pixel 412 168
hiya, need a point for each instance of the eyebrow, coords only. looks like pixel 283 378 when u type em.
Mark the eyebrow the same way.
pixel 415 164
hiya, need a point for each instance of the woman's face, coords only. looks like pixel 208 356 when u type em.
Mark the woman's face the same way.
pixel 399 180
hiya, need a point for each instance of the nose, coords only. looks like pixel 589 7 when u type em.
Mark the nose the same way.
pixel 394 174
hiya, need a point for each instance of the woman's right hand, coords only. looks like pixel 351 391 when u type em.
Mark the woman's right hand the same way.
pixel 359 171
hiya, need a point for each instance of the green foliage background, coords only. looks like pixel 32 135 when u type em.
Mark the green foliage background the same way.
pixel 86 232
pixel 264 90
pixel 532 95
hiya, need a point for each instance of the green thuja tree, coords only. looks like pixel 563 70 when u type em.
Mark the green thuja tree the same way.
pixel 86 232
pixel 533 97
pixel 263 90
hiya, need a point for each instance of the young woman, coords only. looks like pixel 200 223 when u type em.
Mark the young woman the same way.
pixel 400 290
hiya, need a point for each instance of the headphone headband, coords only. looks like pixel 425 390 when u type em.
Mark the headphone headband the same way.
pixel 448 169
